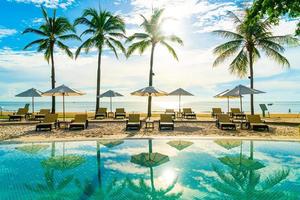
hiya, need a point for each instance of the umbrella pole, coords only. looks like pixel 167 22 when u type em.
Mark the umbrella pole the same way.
pixel 64 107
pixel 228 104
pixel 241 103
pixel 179 103
pixel 110 104
pixel 32 105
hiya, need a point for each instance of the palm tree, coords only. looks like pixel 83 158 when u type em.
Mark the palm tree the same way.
pixel 104 29
pixel 251 37
pixel 53 32
pixel 151 37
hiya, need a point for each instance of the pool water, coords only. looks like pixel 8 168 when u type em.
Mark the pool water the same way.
pixel 150 169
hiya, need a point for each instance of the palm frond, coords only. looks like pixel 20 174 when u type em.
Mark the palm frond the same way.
pixel 141 46
pixel 226 46
pixel 118 44
pixel 36 31
pixel 239 65
pixel 65 48
pixel 175 38
pixel 108 43
pixel 222 56
pixel 236 19
pixel 34 43
pixel 228 34
pixel 276 56
pixel 69 36
pixel 170 49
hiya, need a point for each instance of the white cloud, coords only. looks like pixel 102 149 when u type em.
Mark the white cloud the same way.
pixel 48 3
pixel 4 32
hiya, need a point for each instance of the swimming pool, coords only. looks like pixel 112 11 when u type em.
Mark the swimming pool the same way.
pixel 150 169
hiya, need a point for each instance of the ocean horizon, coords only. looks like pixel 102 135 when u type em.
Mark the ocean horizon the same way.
pixel 159 106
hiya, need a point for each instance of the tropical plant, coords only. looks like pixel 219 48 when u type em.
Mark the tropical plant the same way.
pixel 103 30
pixel 53 32
pixel 246 43
pixel 151 37
pixel 276 9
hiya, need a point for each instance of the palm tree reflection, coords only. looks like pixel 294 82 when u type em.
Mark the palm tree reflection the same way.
pixel 140 189
pixel 54 187
pixel 243 179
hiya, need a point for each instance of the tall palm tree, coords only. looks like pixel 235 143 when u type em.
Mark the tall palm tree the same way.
pixel 151 37
pixel 53 32
pixel 103 29
pixel 251 37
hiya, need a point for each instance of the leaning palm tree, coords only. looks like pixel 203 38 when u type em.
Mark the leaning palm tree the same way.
pixel 53 32
pixel 151 37
pixel 251 37
pixel 104 30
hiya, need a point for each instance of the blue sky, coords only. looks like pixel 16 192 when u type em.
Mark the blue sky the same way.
pixel 193 21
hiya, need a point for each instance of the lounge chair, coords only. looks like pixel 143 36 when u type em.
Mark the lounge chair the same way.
pixel 133 122
pixel 120 113
pixel 27 106
pixel 216 111
pixel 236 113
pixel 223 122
pixel 101 112
pixel 47 124
pixel 80 122
pixel 254 122
pixel 41 115
pixel 21 113
pixel 188 113
pixel 166 121
pixel 170 112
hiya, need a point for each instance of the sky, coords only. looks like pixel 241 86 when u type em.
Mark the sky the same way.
pixel 192 20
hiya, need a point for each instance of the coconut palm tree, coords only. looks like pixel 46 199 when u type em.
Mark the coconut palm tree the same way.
pixel 250 37
pixel 103 30
pixel 151 37
pixel 53 32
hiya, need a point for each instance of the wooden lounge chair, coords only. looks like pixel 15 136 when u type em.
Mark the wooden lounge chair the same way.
pixel 254 122
pixel 236 113
pixel 80 122
pixel 170 112
pixel 188 113
pixel 49 121
pixel 41 115
pixel 216 111
pixel 166 121
pixel 102 113
pixel 21 113
pixel 120 113
pixel 133 122
pixel 223 122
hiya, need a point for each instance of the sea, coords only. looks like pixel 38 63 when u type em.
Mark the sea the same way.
pixel 141 106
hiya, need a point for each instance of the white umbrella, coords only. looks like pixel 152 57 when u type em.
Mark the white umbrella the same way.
pixel 223 95
pixel 63 91
pixel 241 90
pixel 31 93
pixel 111 94
pixel 149 91
pixel 180 92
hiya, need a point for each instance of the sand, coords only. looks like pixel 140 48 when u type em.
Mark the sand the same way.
pixel 26 133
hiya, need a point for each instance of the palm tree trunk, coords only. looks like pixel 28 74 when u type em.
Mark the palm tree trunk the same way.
pixel 151 79
pixel 98 80
pixel 52 78
pixel 251 81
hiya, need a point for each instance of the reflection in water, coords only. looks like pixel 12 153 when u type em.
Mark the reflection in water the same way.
pixel 138 169
pixel 243 180
pixel 141 189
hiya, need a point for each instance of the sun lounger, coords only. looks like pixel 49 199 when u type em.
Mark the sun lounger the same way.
pixel 80 122
pixel 101 112
pixel 171 112
pixel 120 113
pixel 223 122
pixel 27 106
pixel 188 113
pixel 21 113
pixel 236 113
pixel 264 110
pixel 166 121
pixel 133 122
pixel 216 111
pixel 254 122
pixel 41 115
pixel 49 121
